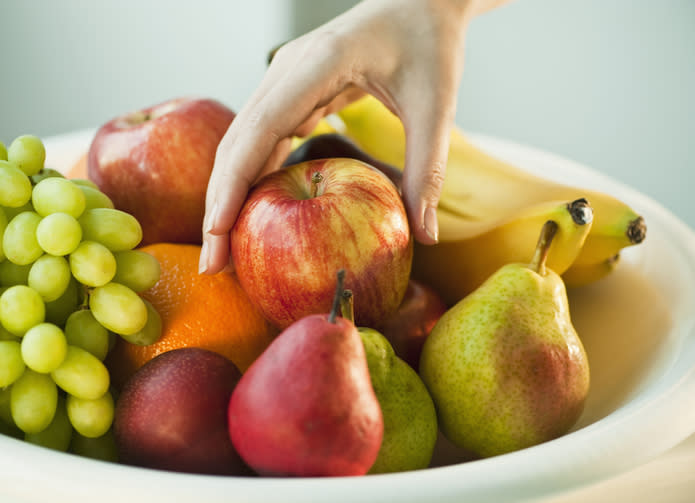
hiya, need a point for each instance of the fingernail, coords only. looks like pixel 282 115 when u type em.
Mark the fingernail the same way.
pixel 431 225
pixel 203 263
pixel 210 220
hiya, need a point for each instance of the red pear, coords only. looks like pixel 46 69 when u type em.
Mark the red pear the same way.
pixel 306 406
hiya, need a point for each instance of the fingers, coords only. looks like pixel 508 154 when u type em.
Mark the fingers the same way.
pixel 214 255
pixel 256 143
pixel 427 147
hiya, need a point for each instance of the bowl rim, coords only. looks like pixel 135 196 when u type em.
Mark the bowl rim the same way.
pixel 605 448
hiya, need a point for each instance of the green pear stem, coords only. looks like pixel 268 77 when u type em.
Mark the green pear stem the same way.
pixel 347 306
pixel 316 178
pixel 543 246
pixel 337 298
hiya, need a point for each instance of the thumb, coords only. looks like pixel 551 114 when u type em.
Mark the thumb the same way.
pixel 427 147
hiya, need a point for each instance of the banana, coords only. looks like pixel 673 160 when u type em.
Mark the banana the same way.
pixel 459 264
pixel 479 188
pixel 583 274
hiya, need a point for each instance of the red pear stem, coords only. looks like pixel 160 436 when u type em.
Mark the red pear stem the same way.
pixel 543 246
pixel 337 298
pixel 347 306
pixel 316 178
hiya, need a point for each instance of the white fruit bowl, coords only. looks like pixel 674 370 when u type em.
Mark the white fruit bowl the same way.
pixel 637 326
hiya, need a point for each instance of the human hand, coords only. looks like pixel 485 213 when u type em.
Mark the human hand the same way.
pixel 406 53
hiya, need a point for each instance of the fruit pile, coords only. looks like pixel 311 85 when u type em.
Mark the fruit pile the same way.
pixel 337 346
pixel 69 284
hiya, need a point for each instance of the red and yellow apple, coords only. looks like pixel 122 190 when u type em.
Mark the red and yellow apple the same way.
pixel 409 326
pixel 300 225
pixel 155 164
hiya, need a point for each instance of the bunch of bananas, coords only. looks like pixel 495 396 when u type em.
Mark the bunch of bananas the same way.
pixel 490 211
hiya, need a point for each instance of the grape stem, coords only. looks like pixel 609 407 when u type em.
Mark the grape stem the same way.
pixel 86 292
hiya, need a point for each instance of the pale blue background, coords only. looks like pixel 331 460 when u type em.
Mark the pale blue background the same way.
pixel 608 83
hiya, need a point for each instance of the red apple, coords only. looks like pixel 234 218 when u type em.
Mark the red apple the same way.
pixel 301 224
pixel 155 164
pixel 410 325
pixel 172 414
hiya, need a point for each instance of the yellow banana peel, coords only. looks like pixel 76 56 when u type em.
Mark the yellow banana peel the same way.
pixel 480 188
pixel 583 274
pixel 457 267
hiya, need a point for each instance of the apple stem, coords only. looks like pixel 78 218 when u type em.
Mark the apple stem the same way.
pixel 338 296
pixel 347 306
pixel 316 178
pixel 544 241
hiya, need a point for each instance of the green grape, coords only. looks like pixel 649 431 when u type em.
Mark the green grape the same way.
pixel 91 418
pixel 92 264
pixel 58 434
pixel 5 411
pixel 57 312
pixel 49 276
pixel 44 347
pixel 19 240
pixel 28 153
pixel 152 330
pixel 13 274
pixel 82 374
pixel 53 195
pixel 3 152
pixel 84 331
pixel 3 225
pixel 10 430
pixel 33 401
pixel 95 198
pixel 15 186
pixel 46 173
pixel 11 363
pixel 115 229
pixel 7 336
pixel 118 308
pixel 85 182
pixel 21 307
pixel 138 270
pixel 102 448
pixel 7 426
pixel 13 212
pixel 58 233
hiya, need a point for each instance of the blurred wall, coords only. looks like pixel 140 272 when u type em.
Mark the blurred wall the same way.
pixel 606 83
pixel 73 64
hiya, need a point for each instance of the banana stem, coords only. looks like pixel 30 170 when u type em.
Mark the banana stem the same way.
pixel 580 211
pixel 337 298
pixel 543 246
pixel 637 230
pixel 347 306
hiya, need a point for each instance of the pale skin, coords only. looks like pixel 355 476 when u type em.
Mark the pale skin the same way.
pixel 406 53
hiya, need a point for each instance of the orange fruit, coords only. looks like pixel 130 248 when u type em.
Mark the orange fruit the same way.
pixel 206 311
pixel 79 169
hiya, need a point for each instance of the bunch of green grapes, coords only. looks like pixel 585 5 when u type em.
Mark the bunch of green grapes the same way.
pixel 70 279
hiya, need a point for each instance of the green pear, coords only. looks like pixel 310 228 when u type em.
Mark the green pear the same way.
pixel 504 366
pixel 410 420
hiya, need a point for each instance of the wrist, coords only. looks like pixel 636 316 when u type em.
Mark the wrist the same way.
pixel 464 10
